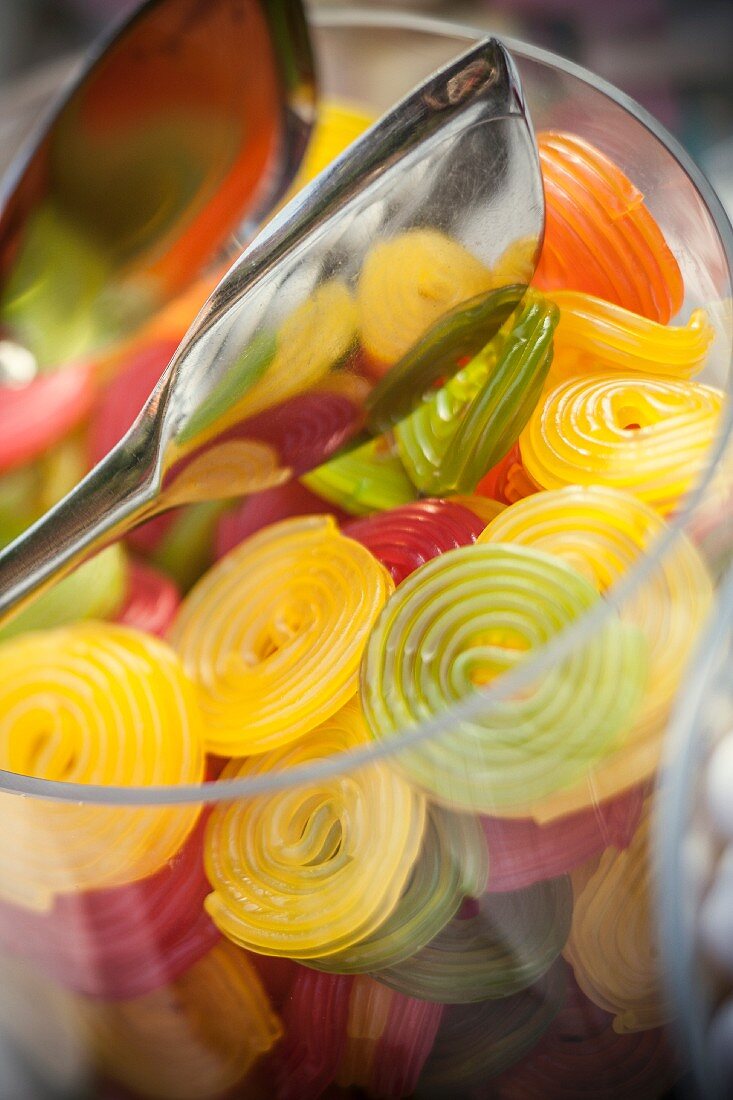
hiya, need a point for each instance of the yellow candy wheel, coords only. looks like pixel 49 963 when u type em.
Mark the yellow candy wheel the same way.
pixel 191 1040
pixel 92 703
pixel 274 633
pixel 594 335
pixel 611 946
pixel 408 283
pixel 312 870
pixel 649 436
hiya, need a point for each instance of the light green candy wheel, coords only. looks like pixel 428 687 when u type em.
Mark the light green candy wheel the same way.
pixel 458 623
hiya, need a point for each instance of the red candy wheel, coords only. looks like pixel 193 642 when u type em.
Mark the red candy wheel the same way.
pixel 405 538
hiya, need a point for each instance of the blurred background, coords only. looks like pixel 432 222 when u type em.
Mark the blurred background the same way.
pixel 674 56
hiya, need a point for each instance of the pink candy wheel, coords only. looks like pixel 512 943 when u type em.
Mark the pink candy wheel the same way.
pixel 522 852
pixel 152 600
pixel 270 506
pixel 123 942
pixel 36 416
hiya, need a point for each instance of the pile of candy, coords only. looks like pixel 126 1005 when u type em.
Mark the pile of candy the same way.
pixel 468 904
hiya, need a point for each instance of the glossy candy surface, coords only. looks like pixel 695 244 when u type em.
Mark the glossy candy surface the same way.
pixel 273 634
pixel 405 538
pixel 600 237
pixel 477 612
pixel 594 336
pixel 449 442
pixel 603 533
pixel 93 703
pixel 467 915
pixel 649 436
pixel 314 870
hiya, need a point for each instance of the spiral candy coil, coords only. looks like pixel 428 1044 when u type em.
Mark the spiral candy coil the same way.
pixel 273 634
pixel 452 865
pixel 466 617
pixel 611 947
pixel 508 942
pixel 405 538
pixel 195 1039
pixel 460 431
pixel 600 237
pixel 93 703
pixel 650 436
pixel 302 872
pixel 594 336
pixel 602 533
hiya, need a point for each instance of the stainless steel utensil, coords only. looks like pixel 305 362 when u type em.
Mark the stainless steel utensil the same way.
pixel 184 128
pixel 457 159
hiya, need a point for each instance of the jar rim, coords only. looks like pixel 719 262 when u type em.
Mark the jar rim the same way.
pixel 225 790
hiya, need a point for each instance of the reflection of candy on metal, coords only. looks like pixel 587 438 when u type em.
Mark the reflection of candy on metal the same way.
pixel 405 538
pixel 600 238
pixel 612 947
pixel 368 478
pixel 307 429
pixel 274 632
pixel 103 704
pixel 269 506
pixel 313 870
pixel 594 336
pixel 462 620
pixel 121 942
pixel 649 436
pixel 448 345
pixel 316 336
pixel 408 283
pixel 194 1039
pixel 505 945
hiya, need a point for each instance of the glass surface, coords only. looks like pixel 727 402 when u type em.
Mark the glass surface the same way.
pixel 695 911
pixel 490 937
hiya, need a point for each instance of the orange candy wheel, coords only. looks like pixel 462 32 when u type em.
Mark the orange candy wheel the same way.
pixel 600 237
